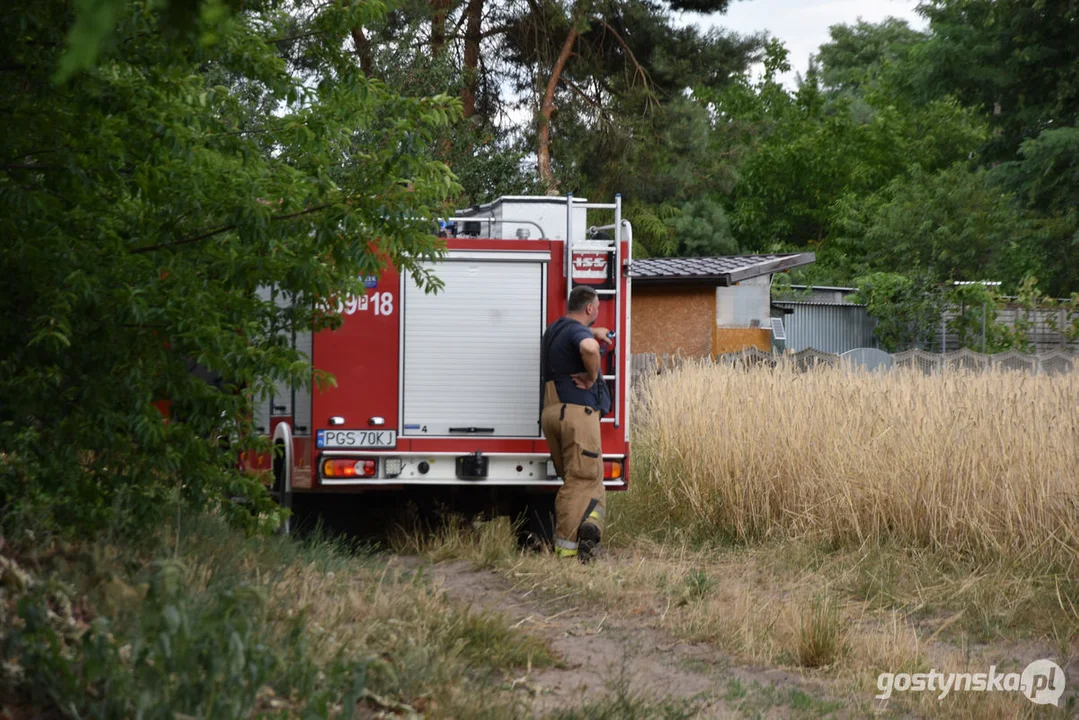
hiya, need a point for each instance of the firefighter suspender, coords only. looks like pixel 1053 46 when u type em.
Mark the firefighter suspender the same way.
pixel 549 342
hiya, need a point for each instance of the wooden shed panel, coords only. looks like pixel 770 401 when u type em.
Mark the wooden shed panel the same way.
pixel 674 320
pixel 730 340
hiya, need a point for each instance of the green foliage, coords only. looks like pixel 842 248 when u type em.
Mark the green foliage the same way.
pixel 95 22
pixel 653 229
pixel 1012 59
pixel 674 164
pixel 703 229
pixel 816 153
pixel 954 224
pixel 698 584
pixel 890 122
pixel 856 55
pixel 144 204
pixel 974 319
pixel 1047 175
pixel 1063 315
pixel 488 170
pixel 623 120
pixel 1045 179
pixel 907 310
pixel 147 668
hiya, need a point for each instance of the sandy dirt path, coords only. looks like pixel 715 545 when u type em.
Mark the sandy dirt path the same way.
pixel 597 652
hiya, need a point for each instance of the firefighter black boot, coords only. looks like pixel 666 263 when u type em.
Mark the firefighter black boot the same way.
pixel 588 537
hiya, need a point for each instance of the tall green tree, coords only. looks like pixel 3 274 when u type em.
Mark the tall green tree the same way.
pixel 816 152
pixel 856 56
pixel 145 200
pixel 598 71
pixel 1015 60
pixel 954 224
pixel 1045 178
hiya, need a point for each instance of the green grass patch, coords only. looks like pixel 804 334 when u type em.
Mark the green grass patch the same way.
pixel 754 700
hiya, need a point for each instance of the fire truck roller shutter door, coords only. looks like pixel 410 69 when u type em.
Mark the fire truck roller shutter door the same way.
pixel 471 351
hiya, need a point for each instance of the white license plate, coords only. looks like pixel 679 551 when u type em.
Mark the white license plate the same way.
pixel 357 438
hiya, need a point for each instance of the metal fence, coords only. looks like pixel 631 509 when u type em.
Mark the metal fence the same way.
pixel 1050 363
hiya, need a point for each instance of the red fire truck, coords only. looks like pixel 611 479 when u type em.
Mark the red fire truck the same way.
pixel 443 390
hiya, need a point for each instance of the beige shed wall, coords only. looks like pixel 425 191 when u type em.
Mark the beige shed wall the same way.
pixel 669 320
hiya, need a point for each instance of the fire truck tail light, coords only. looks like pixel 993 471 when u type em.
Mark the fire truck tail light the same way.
pixel 612 470
pixel 393 466
pixel 349 468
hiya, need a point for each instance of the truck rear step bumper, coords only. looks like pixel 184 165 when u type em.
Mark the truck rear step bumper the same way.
pixel 441 468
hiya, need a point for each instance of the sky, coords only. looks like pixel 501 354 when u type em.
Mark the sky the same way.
pixel 803 25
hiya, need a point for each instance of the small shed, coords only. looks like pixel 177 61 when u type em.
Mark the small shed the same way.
pixel 825 326
pixel 700 307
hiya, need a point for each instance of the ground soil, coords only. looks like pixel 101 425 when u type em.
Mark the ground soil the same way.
pixel 597 653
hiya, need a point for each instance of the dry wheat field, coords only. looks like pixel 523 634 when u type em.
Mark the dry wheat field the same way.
pixel 976 465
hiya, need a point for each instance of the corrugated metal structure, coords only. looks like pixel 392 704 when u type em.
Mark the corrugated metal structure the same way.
pixel 828 327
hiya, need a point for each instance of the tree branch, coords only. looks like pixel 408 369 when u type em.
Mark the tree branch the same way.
pixel 581 94
pixel 301 36
pixel 256 131
pixel 639 69
pixel 543 135
pixel 222 229
pixel 363 50
pixel 474 13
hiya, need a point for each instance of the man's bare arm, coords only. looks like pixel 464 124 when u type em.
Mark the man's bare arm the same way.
pixel 590 356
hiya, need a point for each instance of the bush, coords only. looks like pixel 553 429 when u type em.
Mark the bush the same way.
pixel 208 656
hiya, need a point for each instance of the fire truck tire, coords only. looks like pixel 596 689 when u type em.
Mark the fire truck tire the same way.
pixel 282 472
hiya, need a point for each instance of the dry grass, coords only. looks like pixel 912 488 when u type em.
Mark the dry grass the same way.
pixel 839 525
pixel 978 466
pixel 428 653
pixel 488 544
pixel 816 611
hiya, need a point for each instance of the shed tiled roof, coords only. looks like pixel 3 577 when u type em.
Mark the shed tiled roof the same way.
pixel 720 270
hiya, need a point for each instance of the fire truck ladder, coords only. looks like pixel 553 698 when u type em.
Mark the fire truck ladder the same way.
pixel 614 254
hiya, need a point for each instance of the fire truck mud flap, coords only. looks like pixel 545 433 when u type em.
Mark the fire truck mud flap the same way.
pixel 282 472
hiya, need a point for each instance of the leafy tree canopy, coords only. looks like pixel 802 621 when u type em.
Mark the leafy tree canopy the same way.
pixel 145 201
pixel 858 54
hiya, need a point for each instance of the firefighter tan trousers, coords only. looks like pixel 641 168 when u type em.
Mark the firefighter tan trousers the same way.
pixel 572 433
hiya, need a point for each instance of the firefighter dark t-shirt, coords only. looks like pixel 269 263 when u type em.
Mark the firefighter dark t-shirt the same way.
pixel 564 360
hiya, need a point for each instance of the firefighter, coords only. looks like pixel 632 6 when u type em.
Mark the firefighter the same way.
pixel 572 404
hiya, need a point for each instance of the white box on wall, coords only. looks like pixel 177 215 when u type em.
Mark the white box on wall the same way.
pixel 747 304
